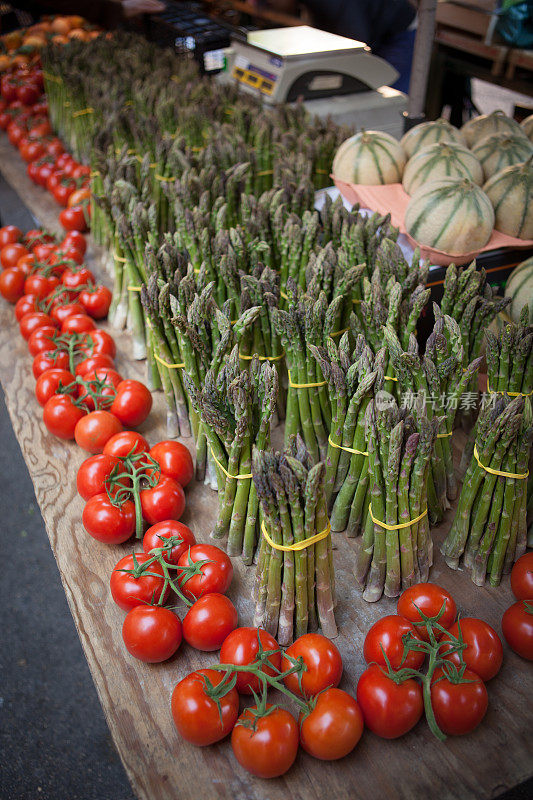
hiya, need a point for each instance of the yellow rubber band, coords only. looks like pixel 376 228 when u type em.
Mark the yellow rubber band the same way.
pixel 196 270
pixel 390 378
pixel 66 104
pixel 119 258
pixel 304 385
pixel 83 112
pixel 164 178
pixel 400 525
pixel 52 78
pixel 282 294
pixel 356 301
pixel 288 548
pixel 347 449
pixel 129 103
pixel 321 172
pixel 444 435
pixel 197 148
pixel 166 364
pixel 226 473
pixel 339 333
pixel 261 358
pixel 140 159
pixel 95 173
pixel 498 472
pixel 510 394
pixel 134 288
pixel 264 172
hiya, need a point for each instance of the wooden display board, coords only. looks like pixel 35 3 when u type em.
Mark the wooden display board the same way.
pixel 135 696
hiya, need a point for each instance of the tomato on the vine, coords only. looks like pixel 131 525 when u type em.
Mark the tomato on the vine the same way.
pixel 151 633
pixel 93 474
pixel 198 718
pixel 61 312
pixel 74 218
pixel 75 239
pixel 78 323
pixel 332 727
pixel 74 278
pixel 157 535
pixel 241 647
pixel 40 285
pixel 129 591
pixel 106 522
pixel 132 403
pixel 389 709
pixel 9 234
pixel 323 662
pixel 97 342
pixel 125 443
pixel 175 461
pixel 458 707
pixel 61 415
pixel 522 577
pixel 95 429
pixel 96 301
pixel 267 745
pixel 209 621
pixel 386 635
pixel 92 363
pixel 12 282
pixel 50 382
pixel 26 304
pixel 483 653
pixel 47 360
pixel 517 627
pixel 35 319
pixel 165 500
pixel 42 340
pixel 10 254
pixel 429 599
pixel 215 576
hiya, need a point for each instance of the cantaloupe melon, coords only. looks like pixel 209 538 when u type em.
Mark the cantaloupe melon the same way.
pixel 501 150
pixel 527 127
pixel 371 158
pixel 438 130
pixel 441 160
pixel 455 216
pixel 511 194
pixel 519 287
pixel 497 122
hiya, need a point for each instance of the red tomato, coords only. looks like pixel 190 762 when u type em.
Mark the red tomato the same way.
pixel 93 473
pixel 388 633
pixel 323 662
pixel 198 718
pixel 78 323
pixel 484 651
pixel 31 150
pixel 24 305
pixel 241 647
pixel 129 591
pixel 96 301
pixel 108 523
pixel 265 746
pixel 28 93
pixel 16 132
pixel 215 576
pixel 95 429
pixel 74 218
pixel 75 239
pixel 79 277
pixel 61 313
pixel 47 360
pixel 105 380
pixel 158 534
pixel 429 598
pixel 97 342
pixel 43 252
pixel 37 236
pixel 44 170
pixel 458 707
pixel 26 264
pixel 333 726
pixel 60 416
pixel 10 254
pixel 151 633
pixel 9 234
pixel 54 147
pixel 522 577
pixel 389 709
pixel 125 443
pixel 517 627
pixel 166 500
pixel 62 191
pixel 175 461
pixel 132 404
pixel 93 363
pixel 40 285
pixel 12 284
pixel 50 383
pixel 34 320
pixel 209 621
pixel 42 340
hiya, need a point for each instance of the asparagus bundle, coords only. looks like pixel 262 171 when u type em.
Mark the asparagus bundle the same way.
pixel 395 550
pixel 440 377
pixel 295 586
pixel 353 378
pixel 510 358
pixel 236 410
pixel 490 528
pixel 307 321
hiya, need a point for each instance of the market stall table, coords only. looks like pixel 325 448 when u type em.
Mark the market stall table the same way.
pixel 135 696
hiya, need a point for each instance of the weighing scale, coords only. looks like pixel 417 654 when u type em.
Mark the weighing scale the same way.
pixel 334 76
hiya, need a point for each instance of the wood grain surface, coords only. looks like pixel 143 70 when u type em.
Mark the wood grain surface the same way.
pixel 135 696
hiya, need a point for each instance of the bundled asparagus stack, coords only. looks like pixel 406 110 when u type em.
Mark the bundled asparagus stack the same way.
pixel 295 586
pixel 307 321
pixel 236 409
pixel 396 550
pixel 440 377
pixel 510 358
pixel 353 378
pixel 490 528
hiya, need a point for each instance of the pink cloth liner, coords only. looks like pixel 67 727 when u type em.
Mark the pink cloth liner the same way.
pixel 393 199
